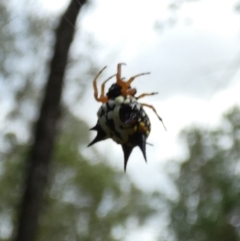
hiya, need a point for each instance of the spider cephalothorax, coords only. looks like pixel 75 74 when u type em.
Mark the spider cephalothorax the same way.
pixel 121 117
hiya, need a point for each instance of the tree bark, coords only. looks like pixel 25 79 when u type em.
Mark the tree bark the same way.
pixel 39 158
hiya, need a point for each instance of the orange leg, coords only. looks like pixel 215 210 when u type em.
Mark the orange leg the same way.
pixel 154 110
pixel 128 83
pixel 95 84
pixel 125 85
pixel 146 94
pixel 120 81
pixel 119 71
pixel 102 97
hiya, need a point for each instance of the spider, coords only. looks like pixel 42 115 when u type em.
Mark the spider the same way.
pixel 121 117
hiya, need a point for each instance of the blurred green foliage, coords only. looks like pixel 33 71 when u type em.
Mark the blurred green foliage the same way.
pixel 209 184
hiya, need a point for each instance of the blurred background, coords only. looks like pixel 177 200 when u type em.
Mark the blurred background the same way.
pixel 190 188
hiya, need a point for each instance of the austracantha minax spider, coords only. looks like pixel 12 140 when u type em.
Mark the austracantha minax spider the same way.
pixel 121 117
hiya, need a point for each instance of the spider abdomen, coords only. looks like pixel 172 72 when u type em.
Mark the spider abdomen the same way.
pixel 123 120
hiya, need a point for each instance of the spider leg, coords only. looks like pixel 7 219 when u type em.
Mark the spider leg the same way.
pixel 120 81
pixel 146 94
pixel 102 96
pixel 127 84
pixel 154 110
pixel 95 84
pixel 119 72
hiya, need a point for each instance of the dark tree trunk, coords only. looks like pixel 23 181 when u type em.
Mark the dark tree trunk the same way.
pixel 39 158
